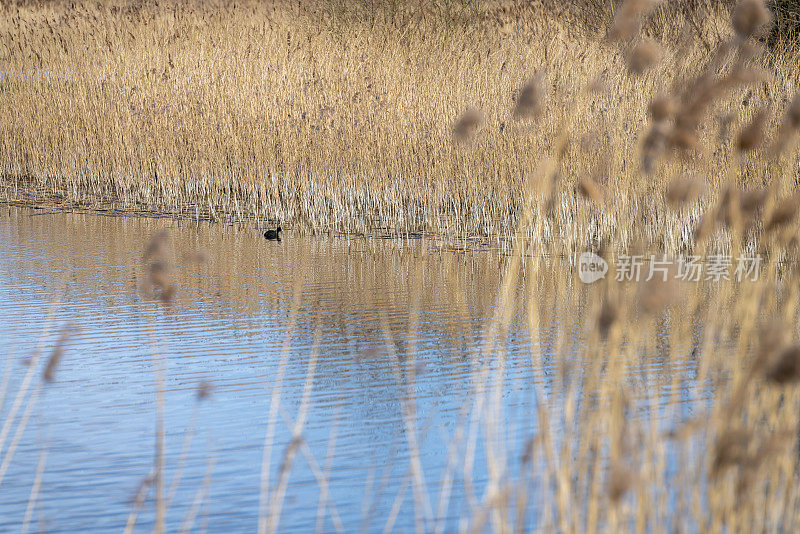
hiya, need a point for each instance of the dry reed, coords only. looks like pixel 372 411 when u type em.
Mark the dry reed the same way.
pixel 322 147
pixel 327 122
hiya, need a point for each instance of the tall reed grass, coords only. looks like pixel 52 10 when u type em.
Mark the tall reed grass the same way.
pixel 358 119
pixel 660 135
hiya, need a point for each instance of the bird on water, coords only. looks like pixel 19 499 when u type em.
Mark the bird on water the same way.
pixel 273 235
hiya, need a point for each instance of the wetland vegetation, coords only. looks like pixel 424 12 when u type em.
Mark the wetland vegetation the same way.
pixel 509 137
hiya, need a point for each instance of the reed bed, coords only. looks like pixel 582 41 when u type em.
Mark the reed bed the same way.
pixel 509 123
pixel 414 119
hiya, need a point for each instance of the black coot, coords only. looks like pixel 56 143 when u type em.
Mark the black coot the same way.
pixel 273 235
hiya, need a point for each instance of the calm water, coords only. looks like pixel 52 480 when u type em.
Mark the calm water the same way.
pixel 372 305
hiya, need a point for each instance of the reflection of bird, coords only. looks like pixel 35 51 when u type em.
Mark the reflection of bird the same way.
pixel 273 235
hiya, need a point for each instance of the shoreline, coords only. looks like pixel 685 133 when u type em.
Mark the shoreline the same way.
pixel 49 206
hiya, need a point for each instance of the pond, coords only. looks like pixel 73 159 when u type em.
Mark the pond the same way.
pixel 387 338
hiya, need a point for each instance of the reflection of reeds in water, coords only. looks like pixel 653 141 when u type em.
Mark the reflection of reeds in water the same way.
pixel 16 422
pixel 612 449
pixel 234 263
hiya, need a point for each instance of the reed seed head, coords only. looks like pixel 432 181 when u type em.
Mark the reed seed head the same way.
pixel 628 19
pixel 784 213
pixel 682 190
pixel 590 189
pixel 751 202
pixel 55 357
pixel 728 206
pixel 785 369
pixel 730 449
pixel 620 480
pixel 643 56
pixel 159 276
pixel 788 127
pixel 684 138
pixel 771 336
pixel 748 51
pixel 742 75
pixel 529 101
pixel 204 389
pixel 662 108
pixel 725 121
pixel 626 26
pixel 468 124
pixel 157 245
pixel 598 85
pixel 158 269
pixel 196 257
pixel 749 16
pixel 607 317
pixel 752 135
pixel 167 294
pixel 704 227
pixel 530 447
pixel 657 293
pixel 792 118
pixel 654 144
